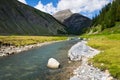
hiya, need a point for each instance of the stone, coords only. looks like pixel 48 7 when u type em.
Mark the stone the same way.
pixel 69 61
pixel 107 72
pixel 53 63
pixel 74 78
pixel 80 50
pixel 110 78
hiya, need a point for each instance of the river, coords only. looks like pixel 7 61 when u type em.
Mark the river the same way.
pixel 31 64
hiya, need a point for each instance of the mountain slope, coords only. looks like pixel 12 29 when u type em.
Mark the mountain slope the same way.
pixel 75 23
pixel 108 20
pixel 18 18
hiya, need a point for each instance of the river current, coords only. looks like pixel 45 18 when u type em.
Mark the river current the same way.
pixel 31 64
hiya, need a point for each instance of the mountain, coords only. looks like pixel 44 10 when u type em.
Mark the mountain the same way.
pixel 75 23
pixel 108 21
pixel 62 15
pixel 19 19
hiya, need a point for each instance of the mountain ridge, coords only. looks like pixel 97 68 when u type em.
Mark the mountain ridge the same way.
pixel 17 18
pixel 75 23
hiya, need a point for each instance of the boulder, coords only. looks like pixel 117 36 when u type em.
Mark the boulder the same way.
pixel 53 63
pixel 80 50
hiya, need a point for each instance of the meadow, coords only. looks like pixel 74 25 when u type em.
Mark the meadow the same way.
pixel 27 40
pixel 109 58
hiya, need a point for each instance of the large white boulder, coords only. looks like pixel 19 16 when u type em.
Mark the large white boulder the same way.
pixel 80 50
pixel 53 63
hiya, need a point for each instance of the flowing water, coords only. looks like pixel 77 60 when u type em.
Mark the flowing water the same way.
pixel 31 65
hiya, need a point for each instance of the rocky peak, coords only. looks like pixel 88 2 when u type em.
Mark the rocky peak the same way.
pixel 75 23
pixel 62 15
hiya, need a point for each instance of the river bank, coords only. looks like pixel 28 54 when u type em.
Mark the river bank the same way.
pixel 10 50
pixel 32 64
pixel 82 52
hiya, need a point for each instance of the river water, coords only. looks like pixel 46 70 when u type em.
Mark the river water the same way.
pixel 31 65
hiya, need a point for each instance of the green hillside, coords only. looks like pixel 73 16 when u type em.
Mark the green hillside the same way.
pixel 19 19
pixel 112 30
pixel 108 21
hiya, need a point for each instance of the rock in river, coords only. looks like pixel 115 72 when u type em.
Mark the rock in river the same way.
pixel 53 63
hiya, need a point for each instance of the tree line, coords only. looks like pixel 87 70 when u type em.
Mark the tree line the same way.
pixel 108 15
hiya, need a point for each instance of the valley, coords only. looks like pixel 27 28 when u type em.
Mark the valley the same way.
pixel 38 36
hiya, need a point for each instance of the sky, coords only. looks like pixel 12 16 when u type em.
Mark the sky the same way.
pixel 88 8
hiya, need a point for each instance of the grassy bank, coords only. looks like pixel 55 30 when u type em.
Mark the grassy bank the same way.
pixel 109 58
pixel 26 40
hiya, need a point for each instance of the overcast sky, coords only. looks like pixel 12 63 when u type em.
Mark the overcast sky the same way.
pixel 85 7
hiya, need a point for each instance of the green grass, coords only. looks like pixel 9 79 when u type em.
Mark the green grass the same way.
pixel 112 30
pixel 110 52
pixel 27 40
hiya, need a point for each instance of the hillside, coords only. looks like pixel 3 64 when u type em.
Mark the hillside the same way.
pixel 108 21
pixel 75 23
pixel 19 19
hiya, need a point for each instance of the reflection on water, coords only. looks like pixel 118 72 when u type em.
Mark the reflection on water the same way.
pixel 31 65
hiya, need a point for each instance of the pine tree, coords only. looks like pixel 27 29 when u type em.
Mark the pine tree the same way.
pixel 108 15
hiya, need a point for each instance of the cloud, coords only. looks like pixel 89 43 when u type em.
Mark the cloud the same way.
pixel 76 6
pixel 49 8
pixel 23 1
